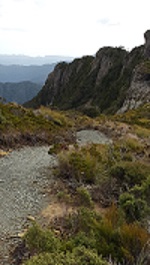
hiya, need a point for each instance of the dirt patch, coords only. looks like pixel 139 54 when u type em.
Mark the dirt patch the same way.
pixel 57 210
pixel 3 153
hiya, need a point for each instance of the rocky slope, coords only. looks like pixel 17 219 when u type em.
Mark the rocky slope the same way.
pixel 139 90
pixel 114 80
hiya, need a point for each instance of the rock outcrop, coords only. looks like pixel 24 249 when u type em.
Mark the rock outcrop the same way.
pixel 139 89
pixel 147 44
pixel 113 80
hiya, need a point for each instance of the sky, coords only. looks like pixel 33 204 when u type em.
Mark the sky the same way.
pixel 71 27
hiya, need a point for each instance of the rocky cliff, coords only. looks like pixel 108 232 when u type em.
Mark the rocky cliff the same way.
pixel 139 90
pixel 113 80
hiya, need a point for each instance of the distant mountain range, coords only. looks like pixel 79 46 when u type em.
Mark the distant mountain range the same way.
pixel 20 83
pixel 28 60
pixel 19 92
pixel 19 73
pixel 21 77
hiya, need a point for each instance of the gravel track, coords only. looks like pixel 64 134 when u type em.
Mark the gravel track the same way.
pixel 22 181
pixel 92 136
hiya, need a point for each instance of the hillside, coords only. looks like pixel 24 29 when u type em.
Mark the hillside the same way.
pixel 112 80
pixel 20 126
pixel 20 83
pixel 98 193
pixel 19 92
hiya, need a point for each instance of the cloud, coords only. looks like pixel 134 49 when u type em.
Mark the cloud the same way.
pixel 103 21
pixel 107 22
pixel 70 27
pixel 13 29
pixel 114 24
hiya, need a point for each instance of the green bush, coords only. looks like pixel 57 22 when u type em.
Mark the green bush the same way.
pixel 86 235
pixel 133 239
pixel 81 239
pixel 108 241
pixel 134 145
pixel 2 118
pixel 79 256
pixel 83 220
pixel 40 240
pixel 142 191
pixel 134 208
pixel 87 256
pixel 83 197
pixel 91 111
pixel 78 166
pixel 146 189
pixel 129 174
pixel 57 148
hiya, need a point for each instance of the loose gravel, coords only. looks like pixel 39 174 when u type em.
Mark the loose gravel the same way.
pixel 23 177
pixel 92 136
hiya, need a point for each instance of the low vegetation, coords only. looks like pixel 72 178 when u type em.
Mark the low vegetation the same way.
pixel 107 187
pixel 20 126
pixel 140 116
pixel 88 238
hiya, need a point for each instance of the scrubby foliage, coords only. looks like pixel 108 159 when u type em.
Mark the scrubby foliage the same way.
pixel 140 116
pixel 16 117
pixel 107 186
pixel 87 237
pixel 19 126
pixel 78 166
pixel 79 256
pixel 113 172
pixel 111 176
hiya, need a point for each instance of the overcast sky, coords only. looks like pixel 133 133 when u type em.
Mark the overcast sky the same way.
pixel 71 27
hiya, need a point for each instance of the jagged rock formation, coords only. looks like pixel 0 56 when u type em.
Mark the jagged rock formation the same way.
pixel 139 89
pixel 147 44
pixel 114 80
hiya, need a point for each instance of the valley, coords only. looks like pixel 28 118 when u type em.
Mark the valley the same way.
pixel 22 77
